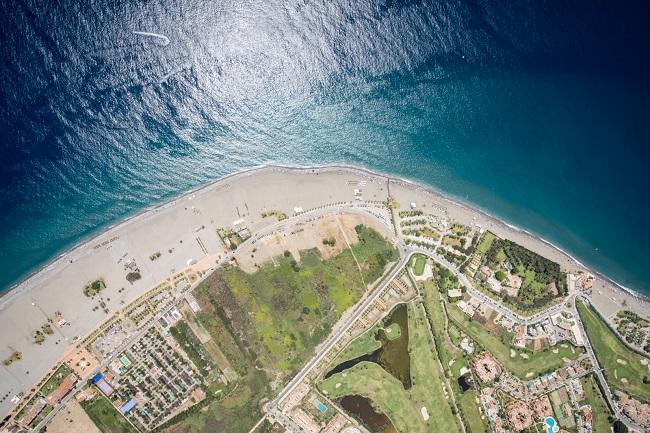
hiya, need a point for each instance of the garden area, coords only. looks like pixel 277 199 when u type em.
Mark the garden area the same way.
pixel 94 288
pixel 540 279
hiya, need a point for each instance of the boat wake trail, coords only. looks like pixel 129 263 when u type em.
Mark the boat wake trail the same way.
pixel 163 38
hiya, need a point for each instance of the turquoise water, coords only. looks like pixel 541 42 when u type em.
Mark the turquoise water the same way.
pixel 551 426
pixel 536 113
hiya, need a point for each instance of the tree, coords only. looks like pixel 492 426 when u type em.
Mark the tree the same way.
pixel 619 427
pixel 500 275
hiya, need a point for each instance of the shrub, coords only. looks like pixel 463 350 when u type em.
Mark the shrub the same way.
pixel 133 276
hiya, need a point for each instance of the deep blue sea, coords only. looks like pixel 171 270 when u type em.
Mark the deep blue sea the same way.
pixel 535 111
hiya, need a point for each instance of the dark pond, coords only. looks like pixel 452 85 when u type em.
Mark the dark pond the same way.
pixel 393 355
pixel 360 408
pixel 465 382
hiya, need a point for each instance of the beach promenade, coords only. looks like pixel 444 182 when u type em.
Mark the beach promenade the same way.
pixel 168 239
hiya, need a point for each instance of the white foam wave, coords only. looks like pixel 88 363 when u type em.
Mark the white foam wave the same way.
pixel 163 38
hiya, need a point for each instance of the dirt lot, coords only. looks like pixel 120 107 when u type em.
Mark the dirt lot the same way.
pixel 72 419
pixel 304 236
pixel 82 362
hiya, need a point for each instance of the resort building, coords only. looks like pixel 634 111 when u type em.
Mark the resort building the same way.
pixel 519 415
pixel 486 367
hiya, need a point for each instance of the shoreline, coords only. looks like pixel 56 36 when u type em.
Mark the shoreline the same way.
pixel 186 230
pixel 8 294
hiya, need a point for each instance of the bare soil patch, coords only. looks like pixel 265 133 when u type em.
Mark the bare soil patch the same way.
pixel 305 236
pixel 72 419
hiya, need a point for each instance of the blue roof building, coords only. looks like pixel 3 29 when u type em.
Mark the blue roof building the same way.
pixel 126 407
pixel 96 378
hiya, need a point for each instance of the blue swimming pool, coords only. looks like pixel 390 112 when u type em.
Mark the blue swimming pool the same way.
pixel 551 425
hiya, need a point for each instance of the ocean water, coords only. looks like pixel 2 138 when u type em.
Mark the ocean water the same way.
pixel 535 111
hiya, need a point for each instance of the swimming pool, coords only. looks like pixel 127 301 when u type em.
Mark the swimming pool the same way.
pixel 551 425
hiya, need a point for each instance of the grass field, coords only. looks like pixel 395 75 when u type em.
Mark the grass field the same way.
pixel 600 410
pixel 565 420
pixel 427 378
pixel 55 380
pixel 622 367
pixel 448 352
pixel 435 310
pixel 471 413
pixel 267 323
pixel 366 343
pixel 485 243
pixel 363 344
pixel 495 342
pixel 287 307
pixel 106 417
pixel 192 347
pixel 417 262
pixel 393 332
pixel 387 393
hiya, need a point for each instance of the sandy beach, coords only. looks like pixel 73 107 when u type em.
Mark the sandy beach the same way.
pixel 184 231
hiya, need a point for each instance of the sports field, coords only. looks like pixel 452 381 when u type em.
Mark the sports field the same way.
pixel 403 407
pixel 531 365
pixel 593 398
pixel 449 353
pixel 622 367
pixel 106 417
pixel 417 262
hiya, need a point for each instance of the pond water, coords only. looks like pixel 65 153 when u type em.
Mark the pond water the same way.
pixel 361 408
pixel 393 355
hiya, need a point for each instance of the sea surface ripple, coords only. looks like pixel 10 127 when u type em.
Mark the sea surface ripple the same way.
pixel 536 111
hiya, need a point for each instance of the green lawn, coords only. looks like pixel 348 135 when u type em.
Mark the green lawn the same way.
pixel 600 409
pixel 485 243
pixel 387 393
pixel 471 413
pixel 417 262
pixel 448 352
pixel 498 344
pixel 363 344
pixel 622 367
pixel 55 380
pixel 106 417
